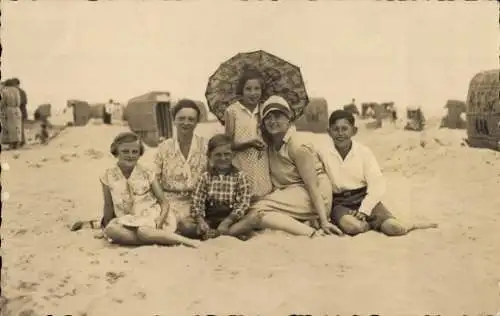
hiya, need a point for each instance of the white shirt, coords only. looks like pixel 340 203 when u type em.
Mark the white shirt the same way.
pixel 359 169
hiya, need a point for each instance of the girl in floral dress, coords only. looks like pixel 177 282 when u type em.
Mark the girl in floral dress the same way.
pixel 242 125
pixel 136 211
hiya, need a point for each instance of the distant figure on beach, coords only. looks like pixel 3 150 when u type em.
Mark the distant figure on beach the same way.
pixel 352 108
pixel 136 211
pixel 222 195
pixel 23 106
pixel 303 191
pixel 108 111
pixel 43 134
pixel 179 162
pixel 11 115
pixel 242 126
pixel 358 183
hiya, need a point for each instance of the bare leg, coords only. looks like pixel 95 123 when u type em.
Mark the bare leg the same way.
pixel 246 225
pixel 392 227
pixel 278 221
pixel 352 226
pixel 187 228
pixel 162 237
pixel 121 235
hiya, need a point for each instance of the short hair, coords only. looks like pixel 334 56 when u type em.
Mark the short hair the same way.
pixel 249 75
pixel 339 115
pixel 186 104
pixel 217 141
pixel 125 137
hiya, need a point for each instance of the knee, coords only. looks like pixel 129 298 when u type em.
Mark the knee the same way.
pixel 112 231
pixel 187 227
pixel 391 227
pixel 352 226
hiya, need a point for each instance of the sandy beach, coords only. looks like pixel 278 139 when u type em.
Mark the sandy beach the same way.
pixel 432 176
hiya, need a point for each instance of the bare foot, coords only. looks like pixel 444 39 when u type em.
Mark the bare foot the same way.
pixel 419 226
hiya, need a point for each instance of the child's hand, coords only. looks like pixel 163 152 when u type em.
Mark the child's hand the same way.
pixel 224 226
pixel 159 221
pixel 258 144
pixel 202 227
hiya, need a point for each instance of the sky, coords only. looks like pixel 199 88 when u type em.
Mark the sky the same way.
pixel 416 54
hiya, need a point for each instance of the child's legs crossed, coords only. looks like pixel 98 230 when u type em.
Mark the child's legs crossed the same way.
pixel 349 224
pixel 382 220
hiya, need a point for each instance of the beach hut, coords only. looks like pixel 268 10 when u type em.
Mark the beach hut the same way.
pixel 149 115
pixel 315 117
pixel 368 110
pixel 97 110
pixel 452 119
pixel 483 110
pixel 415 119
pixel 81 112
pixel 43 112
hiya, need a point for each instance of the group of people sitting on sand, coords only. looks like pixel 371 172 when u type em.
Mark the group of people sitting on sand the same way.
pixel 260 174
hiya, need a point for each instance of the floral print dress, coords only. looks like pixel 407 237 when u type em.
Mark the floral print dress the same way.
pixel 178 175
pixel 135 204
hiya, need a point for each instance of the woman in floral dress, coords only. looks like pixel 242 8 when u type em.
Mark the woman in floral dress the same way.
pixel 135 210
pixel 179 163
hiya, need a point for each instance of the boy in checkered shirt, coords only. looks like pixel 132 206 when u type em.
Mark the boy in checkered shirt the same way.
pixel 222 195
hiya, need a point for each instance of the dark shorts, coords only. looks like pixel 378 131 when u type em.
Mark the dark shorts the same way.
pixel 216 213
pixel 351 200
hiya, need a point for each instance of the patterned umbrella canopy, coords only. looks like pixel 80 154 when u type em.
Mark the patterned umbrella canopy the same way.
pixel 281 78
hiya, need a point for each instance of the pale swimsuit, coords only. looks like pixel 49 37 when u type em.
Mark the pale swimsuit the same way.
pixel 178 175
pixel 135 204
pixel 291 196
pixel 243 126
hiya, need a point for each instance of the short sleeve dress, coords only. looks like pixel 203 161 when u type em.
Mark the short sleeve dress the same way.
pixel 134 202
pixel 243 126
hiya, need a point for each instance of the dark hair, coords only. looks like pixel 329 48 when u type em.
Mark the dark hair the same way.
pixel 125 138
pixel 186 104
pixel 216 141
pixel 15 81
pixel 249 75
pixel 339 115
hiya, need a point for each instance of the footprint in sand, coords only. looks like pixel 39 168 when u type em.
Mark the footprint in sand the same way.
pixel 113 277
pixel 94 154
pixel 28 286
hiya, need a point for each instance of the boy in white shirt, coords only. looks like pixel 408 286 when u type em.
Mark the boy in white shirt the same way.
pixel 358 183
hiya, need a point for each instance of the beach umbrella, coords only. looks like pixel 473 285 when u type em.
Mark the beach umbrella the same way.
pixel 281 78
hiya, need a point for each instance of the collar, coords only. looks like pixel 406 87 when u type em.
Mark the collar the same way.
pixel 214 172
pixel 256 111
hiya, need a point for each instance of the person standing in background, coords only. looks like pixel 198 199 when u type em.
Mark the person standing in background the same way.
pixel 108 110
pixel 23 106
pixel 10 115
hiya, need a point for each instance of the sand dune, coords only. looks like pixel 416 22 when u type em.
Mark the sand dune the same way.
pixel 450 271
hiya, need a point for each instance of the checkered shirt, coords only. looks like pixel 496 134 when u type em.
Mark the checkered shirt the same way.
pixel 232 189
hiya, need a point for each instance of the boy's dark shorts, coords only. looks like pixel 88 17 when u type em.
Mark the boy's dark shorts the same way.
pixel 378 215
pixel 343 202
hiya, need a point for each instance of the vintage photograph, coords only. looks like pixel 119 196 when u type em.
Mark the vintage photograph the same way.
pixel 250 158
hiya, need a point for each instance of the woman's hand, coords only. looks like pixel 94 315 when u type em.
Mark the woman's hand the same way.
pixel 358 215
pixel 330 228
pixel 223 227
